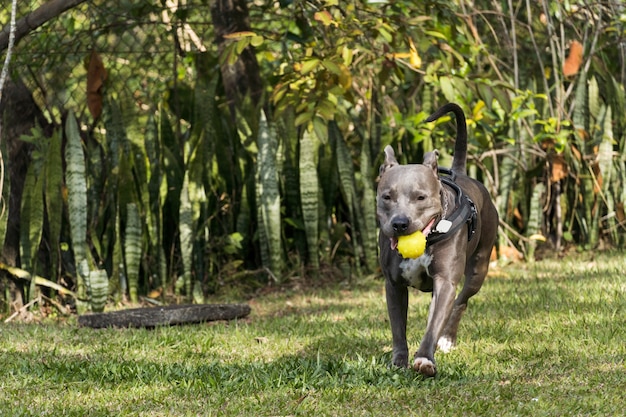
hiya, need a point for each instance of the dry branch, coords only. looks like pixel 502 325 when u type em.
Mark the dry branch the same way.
pixel 32 21
pixel 165 316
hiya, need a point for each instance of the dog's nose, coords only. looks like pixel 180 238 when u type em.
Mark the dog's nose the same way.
pixel 400 224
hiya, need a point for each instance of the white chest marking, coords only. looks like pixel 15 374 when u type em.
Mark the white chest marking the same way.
pixel 413 269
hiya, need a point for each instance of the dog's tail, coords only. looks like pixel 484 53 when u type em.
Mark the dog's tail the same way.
pixel 460 146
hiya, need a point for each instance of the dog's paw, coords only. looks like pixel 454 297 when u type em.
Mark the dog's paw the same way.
pixel 445 344
pixel 400 361
pixel 424 366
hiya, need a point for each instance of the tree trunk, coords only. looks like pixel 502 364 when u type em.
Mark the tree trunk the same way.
pixel 243 77
pixel 20 114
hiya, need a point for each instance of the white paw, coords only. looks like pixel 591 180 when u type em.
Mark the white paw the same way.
pixel 445 345
pixel 424 366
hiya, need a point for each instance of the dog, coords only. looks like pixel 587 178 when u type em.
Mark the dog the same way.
pixel 460 222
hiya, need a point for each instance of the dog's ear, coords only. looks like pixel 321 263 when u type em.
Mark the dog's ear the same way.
pixel 390 160
pixel 430 160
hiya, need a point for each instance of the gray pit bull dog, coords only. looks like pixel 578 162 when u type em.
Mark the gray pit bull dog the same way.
pixel 460 223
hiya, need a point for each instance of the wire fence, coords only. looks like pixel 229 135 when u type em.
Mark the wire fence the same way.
pixel 143 46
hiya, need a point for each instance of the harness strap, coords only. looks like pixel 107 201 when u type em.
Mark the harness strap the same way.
pixel 465 212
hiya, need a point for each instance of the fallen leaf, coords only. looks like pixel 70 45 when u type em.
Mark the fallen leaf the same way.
pixel 510 253
pixel 324 17
pixel 537 236
pixel 574 60
pixel 559 168
pixel 156 293
pixel 96 76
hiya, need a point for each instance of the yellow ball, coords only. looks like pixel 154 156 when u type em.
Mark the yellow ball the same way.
pixel 413 245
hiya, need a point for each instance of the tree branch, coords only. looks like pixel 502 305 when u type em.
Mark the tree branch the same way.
pixel 32 21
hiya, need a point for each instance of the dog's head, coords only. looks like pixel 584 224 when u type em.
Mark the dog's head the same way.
pixel 408 197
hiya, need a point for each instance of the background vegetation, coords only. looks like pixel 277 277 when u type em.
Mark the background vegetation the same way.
pixel 539 340
pixel 165 149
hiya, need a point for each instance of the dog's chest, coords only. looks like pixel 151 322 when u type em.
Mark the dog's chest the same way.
pixel 414 271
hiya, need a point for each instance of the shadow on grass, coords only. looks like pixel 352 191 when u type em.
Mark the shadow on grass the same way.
pixel 126 384
pixel 545 329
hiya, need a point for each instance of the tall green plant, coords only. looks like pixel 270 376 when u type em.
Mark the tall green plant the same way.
pixel 132 250
pixel 268 196
pixel 32 218
pixel 91 283
pixel 32 212
pixel 54 199
pixel 310 193
pixel 76 182
pixel 348 188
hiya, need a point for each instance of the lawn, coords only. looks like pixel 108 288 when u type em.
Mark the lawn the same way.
pixel 543 339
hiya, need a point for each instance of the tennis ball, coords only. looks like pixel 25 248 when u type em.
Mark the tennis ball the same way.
pixel 413 245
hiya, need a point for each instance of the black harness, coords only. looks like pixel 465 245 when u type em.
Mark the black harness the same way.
pixel 465 212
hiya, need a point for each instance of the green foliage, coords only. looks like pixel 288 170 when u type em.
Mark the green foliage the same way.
pixel 186 189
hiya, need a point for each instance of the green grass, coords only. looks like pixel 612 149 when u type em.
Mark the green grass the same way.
pixel 540 340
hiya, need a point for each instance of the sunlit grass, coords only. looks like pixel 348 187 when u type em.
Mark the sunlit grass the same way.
pixel 539 340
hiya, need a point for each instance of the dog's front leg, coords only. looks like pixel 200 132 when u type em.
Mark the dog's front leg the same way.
pixel 440 308
pixel 397 307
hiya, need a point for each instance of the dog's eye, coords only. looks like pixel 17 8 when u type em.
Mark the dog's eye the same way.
pixel 387 197
pixel 418 196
